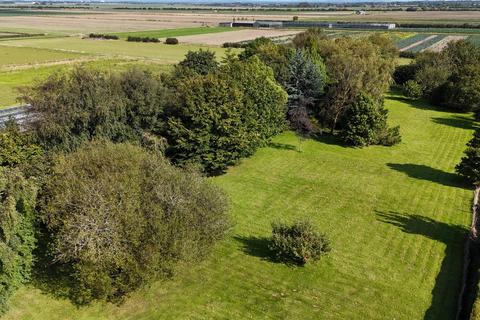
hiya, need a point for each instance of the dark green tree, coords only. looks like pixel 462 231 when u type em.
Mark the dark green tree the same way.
pixel 201 61
pixel 469 166
pixel 365 123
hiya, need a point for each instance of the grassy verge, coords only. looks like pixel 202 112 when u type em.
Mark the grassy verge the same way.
pixel 396 216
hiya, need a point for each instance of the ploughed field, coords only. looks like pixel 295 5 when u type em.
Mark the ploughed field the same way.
pixel 397 218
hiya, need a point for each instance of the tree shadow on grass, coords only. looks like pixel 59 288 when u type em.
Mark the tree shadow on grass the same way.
pixel 258 247
pixel 423 172
pixel 419 104
pixel 457 122
pixel 448 282
pixel 331 139
pixel 282 146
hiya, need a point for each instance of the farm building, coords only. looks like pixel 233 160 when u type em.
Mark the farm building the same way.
pixel 308 24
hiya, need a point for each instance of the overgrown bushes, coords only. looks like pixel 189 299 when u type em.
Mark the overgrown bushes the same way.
pixel 69 109
pixel 120 217
pixel 298 243
pixel 17 240
pixel 103 36
pixel 142 39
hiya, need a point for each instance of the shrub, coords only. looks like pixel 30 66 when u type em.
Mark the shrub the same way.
pixel 298 243
pixel 142 39
pixel 412 89
pixel 120 217
pixel 469 166
pixel 17 240
pixel 171 41
pixel 103 36
pixel 365 123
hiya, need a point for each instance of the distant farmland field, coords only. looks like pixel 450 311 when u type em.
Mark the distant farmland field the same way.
pixel 164 33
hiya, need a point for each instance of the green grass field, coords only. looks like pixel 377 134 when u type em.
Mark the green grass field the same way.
pixel 160 53
pixel 164 33
pixel 396 217
pixel 10 56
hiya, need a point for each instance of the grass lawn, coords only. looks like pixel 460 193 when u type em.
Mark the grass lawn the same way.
pixel 164 33
pixel 157 52
pixel 396 217
pixel 21 56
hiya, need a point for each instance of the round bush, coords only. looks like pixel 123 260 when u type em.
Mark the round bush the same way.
pixel 171 41
pixel 412 89
pixel 298 243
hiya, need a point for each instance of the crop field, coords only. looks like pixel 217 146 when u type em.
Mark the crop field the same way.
pixel 475 39
pixel 164 33
pixel 396 216
pixel 421 42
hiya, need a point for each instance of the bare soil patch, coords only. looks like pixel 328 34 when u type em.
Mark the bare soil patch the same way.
pixel 235 36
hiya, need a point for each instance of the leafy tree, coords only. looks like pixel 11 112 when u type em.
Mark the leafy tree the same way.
pixel 219 118
pixel 70 109
pixel 17 240
pixel 201 61
pixel 366 123
pixel 120 217
pixel 273 55
pixel 310 39
pixel 354 66
pixel 404 73
pixel 432 71
pixel 412 89
pixel 451 78
pixel 462 91
pixel 469 166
